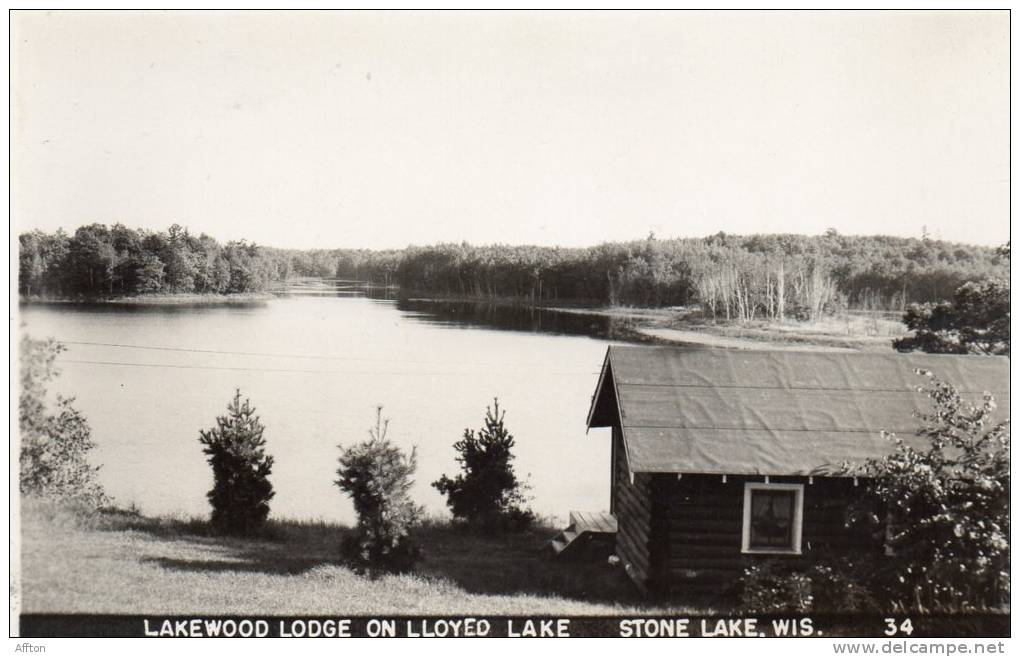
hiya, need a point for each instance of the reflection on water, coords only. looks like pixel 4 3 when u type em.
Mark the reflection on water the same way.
pixel 333 287
pixel 472 314
pixel 176 308
pixel 315 362
pixel 511 318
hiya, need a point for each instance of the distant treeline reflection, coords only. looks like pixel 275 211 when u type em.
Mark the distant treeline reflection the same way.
pixel 514 318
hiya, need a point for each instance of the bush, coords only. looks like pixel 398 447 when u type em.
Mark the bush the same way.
pixel 839 587
pixel 487 494
pixel 54 447
pixel 241 488
pixel 946 507
pixel 377 476
pixel 976 321
pixel 763 590
pixel 771 588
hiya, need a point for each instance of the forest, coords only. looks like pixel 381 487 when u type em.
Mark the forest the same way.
pixel 101 261
pixel 731 276
pixel 734 277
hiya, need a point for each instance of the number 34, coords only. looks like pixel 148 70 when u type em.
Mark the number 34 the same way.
pixel 891 629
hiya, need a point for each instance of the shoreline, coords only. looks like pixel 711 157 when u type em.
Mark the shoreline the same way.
pixel 678 325
pixel 156 300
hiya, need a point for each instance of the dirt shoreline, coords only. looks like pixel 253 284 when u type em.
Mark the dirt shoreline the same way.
pixel 683 336
pixel 684 326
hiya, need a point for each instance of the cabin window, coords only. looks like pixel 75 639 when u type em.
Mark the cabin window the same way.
pixel 773 516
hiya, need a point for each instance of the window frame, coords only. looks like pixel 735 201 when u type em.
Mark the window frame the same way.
pixel 798 518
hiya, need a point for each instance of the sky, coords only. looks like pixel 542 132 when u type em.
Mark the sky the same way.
pixel 384 129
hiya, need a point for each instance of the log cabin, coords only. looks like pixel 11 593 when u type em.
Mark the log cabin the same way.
pixel 722 458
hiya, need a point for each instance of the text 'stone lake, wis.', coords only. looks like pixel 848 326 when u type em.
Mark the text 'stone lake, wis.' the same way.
pixel 316 364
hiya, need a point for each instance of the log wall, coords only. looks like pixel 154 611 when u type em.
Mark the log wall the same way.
pixel 631 504
pixel 697 521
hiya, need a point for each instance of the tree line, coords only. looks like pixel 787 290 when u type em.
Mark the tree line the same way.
pixel 731 276
pixel 98 260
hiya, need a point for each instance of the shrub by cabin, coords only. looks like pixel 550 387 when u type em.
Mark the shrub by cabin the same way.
pixel 721 459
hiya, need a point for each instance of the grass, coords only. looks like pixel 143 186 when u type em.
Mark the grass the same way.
pixel 121 562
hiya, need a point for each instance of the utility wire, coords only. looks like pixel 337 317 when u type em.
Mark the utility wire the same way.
pixel 283 370
pixel 236 353
pixel 275 355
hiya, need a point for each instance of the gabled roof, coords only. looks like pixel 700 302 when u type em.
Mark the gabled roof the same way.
pixel 773 413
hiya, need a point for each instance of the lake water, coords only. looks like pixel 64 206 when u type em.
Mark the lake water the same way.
pixel 315 364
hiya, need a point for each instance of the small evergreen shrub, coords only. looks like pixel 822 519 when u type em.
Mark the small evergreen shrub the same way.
pixel 376 474
pixel 237 453
pixel 487 493
pixel 55 447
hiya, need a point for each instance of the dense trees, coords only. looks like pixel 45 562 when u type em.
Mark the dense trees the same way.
pixel 976 321
pixel 731 276
pixel 104 261
pixel 737 277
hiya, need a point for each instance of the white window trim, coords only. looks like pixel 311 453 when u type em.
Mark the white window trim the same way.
pixel 798 518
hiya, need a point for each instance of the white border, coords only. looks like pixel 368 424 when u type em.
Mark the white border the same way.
pixel 798 518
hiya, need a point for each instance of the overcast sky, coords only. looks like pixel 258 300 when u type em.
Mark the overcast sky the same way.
pixel 386 129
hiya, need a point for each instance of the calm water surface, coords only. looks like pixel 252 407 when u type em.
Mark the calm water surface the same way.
pixel 316 364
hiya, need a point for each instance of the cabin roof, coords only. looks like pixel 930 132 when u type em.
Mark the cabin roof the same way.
pixel 776 413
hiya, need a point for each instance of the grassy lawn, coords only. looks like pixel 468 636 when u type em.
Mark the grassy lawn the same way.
pixel 123 563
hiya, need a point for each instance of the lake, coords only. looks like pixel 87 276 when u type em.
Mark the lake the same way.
pixel 316 363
